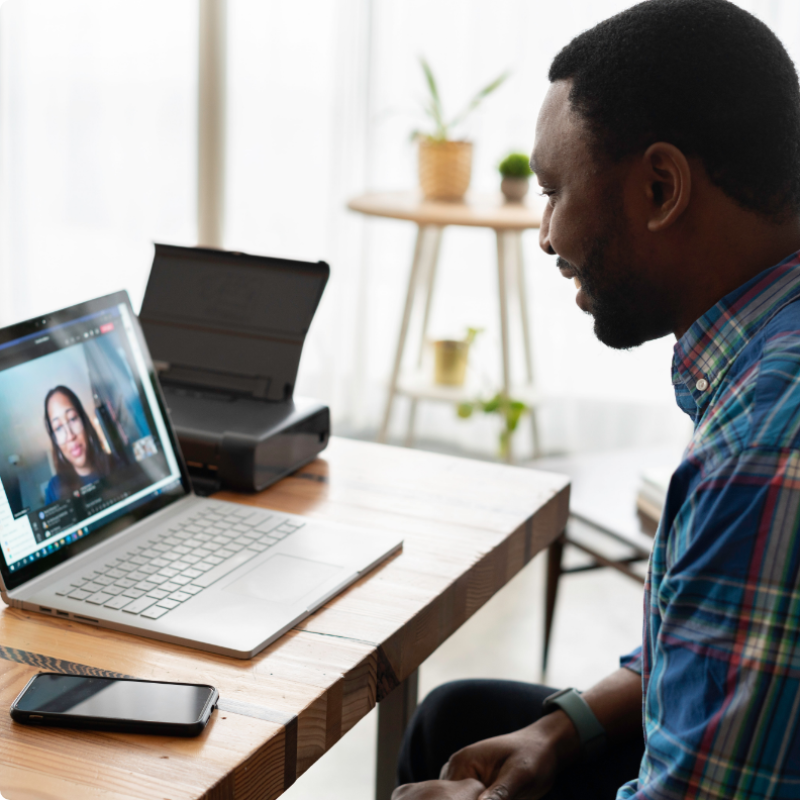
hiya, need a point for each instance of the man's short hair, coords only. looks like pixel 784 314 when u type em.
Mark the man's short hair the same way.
pixel 703 75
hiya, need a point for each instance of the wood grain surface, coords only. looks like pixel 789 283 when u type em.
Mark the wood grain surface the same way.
pixel 468 527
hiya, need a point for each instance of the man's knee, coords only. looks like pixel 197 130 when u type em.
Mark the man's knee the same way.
pixel 431 735
pixel 447 705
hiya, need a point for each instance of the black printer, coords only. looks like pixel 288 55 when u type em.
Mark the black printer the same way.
pixel 226 331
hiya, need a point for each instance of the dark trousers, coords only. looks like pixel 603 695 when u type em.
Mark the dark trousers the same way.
pixel 464 712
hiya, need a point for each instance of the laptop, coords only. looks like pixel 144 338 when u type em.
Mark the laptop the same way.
pixel 98 521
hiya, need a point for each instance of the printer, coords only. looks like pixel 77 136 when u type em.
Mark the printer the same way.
pixel 226 332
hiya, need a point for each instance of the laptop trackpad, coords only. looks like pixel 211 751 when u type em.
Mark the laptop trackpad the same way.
pixel 283 579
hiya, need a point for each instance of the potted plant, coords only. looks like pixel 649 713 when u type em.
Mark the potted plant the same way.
pixel 516 171
pixel 510 411
pixel 450 358
pixel 445 164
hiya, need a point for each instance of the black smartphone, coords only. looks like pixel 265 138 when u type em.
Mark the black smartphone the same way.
pixel 115 704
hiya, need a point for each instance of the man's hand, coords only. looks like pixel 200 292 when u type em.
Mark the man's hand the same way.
pixel 528 759
pixel 439 790
pixel 525 763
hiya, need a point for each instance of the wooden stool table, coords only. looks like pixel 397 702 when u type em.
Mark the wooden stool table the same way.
pixel 468 527
pixel 508 221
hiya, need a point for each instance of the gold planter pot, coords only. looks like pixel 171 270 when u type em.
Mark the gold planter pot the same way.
pixel 445 169
pixel 450 362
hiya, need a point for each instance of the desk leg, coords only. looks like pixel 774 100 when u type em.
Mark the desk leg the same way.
pixel 401 343
pixel 394 714
pixel 554 555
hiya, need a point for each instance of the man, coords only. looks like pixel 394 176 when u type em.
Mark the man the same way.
pixel 668 148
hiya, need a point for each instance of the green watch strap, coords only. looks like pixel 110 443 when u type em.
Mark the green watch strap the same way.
pixel 592 734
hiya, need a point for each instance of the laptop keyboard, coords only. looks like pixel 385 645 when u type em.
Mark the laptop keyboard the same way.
pixel 181 562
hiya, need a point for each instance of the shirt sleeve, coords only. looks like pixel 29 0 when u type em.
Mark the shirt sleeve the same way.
pixel 633 661
pixel 722 703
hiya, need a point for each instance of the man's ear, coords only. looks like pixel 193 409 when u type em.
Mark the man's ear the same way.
pixel 668 184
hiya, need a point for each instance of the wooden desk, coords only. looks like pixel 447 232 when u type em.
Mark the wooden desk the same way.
pixel 469 526
pixel 508 221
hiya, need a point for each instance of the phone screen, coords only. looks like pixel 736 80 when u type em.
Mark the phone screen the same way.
pixel 117 699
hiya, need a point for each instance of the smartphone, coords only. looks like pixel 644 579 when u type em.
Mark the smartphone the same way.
pixel 115 704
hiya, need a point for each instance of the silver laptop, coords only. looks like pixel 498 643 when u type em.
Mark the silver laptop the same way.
pixel 98 522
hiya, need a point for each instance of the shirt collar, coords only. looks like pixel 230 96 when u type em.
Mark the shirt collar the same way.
pixel 704 353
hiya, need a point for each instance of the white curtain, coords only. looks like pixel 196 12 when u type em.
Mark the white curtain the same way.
pixel 97 160
pixel 97 146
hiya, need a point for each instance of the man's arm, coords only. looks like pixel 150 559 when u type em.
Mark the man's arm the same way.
pixel 722 707
pixel 532 757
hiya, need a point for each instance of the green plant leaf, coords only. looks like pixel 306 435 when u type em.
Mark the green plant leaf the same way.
pixel 490 406
pixel 478 99
pixel 471 334
pixel 435 110
pixel 510 410
pixel 431 81
pixel 512 418
pixel 464 410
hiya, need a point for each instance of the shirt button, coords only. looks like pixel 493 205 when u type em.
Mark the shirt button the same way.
pixel 701 385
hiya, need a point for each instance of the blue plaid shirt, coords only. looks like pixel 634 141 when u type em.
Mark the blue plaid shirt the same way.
pixel 720 660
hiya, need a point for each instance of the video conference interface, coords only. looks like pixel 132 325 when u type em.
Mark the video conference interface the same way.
pixel 82 439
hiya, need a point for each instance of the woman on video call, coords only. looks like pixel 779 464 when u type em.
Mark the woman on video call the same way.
pixel 77 452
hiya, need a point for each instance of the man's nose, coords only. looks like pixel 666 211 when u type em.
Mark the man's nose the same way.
pixel 544 232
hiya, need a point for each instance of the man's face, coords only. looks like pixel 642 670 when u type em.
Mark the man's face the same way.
pixel 586 224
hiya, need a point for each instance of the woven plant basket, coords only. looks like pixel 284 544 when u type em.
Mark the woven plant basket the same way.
pixel 445 169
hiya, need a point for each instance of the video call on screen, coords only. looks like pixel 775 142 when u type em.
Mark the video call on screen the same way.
pixel 76 432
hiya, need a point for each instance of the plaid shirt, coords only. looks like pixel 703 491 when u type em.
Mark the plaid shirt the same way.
pixel 720 660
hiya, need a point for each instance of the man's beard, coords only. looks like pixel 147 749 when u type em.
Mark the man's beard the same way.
pixel 624 305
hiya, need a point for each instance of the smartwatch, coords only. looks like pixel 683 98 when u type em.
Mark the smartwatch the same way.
pixel 592 734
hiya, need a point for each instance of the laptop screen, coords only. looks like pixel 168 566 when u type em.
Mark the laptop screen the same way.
pixel 85 445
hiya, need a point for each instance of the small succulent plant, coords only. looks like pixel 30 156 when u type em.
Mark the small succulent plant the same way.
pixel 515 165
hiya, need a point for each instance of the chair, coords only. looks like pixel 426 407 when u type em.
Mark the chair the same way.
pixel 603 516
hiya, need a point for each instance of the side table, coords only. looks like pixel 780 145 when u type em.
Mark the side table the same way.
pixel 508 221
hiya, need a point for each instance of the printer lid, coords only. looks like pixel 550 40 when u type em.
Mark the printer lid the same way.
pixel 229 321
